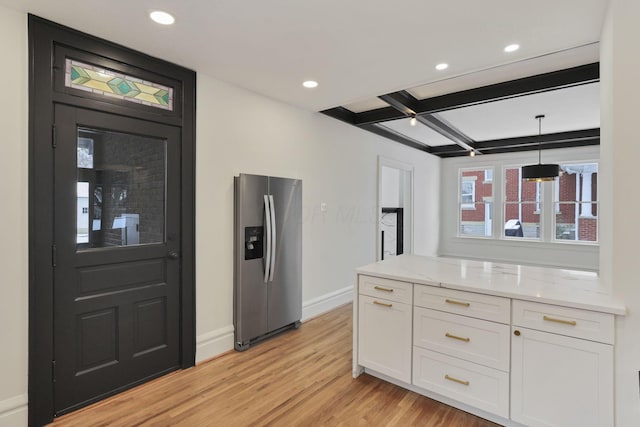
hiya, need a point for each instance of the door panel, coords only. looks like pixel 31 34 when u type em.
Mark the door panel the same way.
pixel 285 291
pixel 116 290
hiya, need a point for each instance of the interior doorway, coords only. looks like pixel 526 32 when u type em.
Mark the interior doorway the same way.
pixel 395 208
pixel 111 292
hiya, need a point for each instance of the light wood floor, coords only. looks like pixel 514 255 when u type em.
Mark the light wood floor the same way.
pixel 300 378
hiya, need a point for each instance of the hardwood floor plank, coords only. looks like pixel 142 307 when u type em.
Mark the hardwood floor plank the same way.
pixel 299 378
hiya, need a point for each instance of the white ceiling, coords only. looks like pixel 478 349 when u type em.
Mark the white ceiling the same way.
pixel 355 49
pixel 565 110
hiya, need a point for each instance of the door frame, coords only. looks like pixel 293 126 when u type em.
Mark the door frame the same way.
pixel 403 167
pixel 45 39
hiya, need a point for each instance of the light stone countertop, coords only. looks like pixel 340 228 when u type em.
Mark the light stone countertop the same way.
pixel 569 288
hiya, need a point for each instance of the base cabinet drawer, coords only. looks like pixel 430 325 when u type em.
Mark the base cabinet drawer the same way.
pixel 466 382
pixel 480 306
pixel 384 337
pixel 560 381
pixel 568 321
pixel 378 287
pixel 478 341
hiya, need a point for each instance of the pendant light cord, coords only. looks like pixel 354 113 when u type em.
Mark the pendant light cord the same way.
pixel 540 117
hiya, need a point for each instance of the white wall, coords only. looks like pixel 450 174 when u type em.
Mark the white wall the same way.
pixel 390 183
pixel 539 253
pixel 620 153
pixel 240 131
pixel 13 217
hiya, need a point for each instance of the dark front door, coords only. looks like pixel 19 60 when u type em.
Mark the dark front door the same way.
pixel 117 253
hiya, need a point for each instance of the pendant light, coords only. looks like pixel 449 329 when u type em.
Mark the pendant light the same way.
pixel 540 172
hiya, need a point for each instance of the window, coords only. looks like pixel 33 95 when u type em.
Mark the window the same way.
pixel 475 203
pixel 468 193
pixel 488 175
pixel 576 203
pixel 522 205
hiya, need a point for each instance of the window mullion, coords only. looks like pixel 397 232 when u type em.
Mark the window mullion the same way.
pixel 547 214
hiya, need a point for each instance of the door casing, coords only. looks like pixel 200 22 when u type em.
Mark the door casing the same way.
pixel 47 43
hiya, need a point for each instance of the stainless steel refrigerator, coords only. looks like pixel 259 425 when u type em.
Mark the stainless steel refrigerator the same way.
pixel 267 257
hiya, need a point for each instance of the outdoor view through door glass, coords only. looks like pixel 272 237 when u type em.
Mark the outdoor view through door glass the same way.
pixel 121 189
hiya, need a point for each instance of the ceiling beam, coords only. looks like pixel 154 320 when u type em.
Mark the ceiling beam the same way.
pixel 575 76
pixel 341 113
pixel 397 137
pixel 404 102
pixel 586 137
pixel 448 131
pixel 379 115
pixel 449 150
pixel 578 138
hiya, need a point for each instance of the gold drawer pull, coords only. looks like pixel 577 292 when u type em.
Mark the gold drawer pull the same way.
pixel 383 304
pixel 451 301
pixel 380 288
pixel 566 322
pixel 455 380
pixel 455 337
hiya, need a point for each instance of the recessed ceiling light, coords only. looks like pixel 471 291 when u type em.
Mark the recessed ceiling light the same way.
pixel 310 84
pixel 512 48
pixel 162 17
pixel 442 66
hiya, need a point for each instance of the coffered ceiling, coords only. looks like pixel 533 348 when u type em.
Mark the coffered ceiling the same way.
pixel 495 118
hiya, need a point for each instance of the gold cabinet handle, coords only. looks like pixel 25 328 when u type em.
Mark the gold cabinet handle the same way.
pixel 565 322
pixel 380 288
pixel 455 380
pixel 455 337
pixel 383 304
pixel 451 301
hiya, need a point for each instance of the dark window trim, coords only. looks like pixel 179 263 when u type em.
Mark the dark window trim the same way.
pixel 44 36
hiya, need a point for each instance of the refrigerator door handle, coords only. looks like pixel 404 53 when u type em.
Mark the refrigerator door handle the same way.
pixel 273 237
pixel 267 220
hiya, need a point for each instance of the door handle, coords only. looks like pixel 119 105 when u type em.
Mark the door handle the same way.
pixel 173 255
pixel 274 237
pixel 267 221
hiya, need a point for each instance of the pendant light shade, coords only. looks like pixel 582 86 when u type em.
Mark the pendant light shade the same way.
pixel 540 172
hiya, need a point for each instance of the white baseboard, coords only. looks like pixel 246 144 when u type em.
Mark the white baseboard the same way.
pixel 14 411
pixel 214 343
pixel 326 302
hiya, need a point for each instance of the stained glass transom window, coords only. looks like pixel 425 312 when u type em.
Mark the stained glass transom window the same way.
pixel 98 80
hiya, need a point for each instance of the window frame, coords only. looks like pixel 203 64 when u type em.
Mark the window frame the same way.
pixel 578 206
pixel 537 204
pixel 545 204
pixel 472 204
pixel 486 200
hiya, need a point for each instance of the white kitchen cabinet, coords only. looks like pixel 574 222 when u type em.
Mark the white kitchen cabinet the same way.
pixel 384 336
pixel 560 381
pixel 517 345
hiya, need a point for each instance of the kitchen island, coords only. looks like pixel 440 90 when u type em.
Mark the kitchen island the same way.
pixel 518 345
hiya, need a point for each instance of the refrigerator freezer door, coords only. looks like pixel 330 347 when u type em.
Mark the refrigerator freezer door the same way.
pixel 285 291
pixel 250 290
